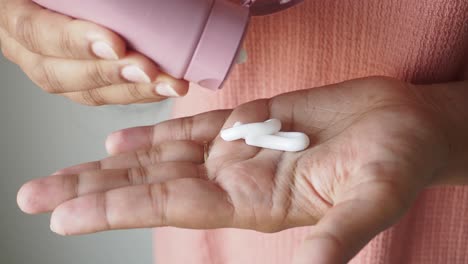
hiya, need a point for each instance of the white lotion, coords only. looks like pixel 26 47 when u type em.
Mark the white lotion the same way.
pixel 267 135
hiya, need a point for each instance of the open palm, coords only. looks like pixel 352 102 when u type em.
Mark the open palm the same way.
pixel 375 145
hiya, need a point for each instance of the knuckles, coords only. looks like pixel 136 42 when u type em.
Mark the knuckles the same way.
pixel 99 76
pixel 66 44
pixel 92 97
pixel 24 30
pixel 46 77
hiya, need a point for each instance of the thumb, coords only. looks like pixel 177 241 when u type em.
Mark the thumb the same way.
pixel 353 221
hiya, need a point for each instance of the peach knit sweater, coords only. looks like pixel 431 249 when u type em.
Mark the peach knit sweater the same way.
pixel 327 41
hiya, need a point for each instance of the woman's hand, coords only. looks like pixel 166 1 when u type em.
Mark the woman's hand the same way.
pixel 79 60
pixel 376 144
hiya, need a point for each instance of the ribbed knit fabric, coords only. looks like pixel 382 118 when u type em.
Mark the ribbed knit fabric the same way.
pixel 328 41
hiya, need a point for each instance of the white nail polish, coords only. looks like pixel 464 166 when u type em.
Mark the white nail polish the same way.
pixel 104 51
pixel 54 227
pixel 165 89
pixel 134 74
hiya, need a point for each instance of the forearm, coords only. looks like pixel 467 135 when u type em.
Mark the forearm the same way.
pixel 450 101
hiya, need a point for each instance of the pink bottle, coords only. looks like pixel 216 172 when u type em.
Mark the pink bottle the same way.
pixel 195 40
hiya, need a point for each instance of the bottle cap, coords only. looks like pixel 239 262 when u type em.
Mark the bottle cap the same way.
pixel 219 45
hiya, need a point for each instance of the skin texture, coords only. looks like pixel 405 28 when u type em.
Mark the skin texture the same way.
pixel 55 51
pixel 376 143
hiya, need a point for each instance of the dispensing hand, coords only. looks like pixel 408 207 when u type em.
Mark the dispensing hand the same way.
pixel 375 144
pixel 80 60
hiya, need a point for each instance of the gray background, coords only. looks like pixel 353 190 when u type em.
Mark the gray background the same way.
pixel 39 134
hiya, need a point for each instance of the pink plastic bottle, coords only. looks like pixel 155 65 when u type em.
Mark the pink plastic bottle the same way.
pixel 195 40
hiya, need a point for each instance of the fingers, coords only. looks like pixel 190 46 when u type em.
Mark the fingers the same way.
pixel 180 151
pixel 60 76
pixel 52 34
pixel 95 74
pixel 44 195
pixel 187 203
pixel 120 94
pixel 201 128
pixel 61 56
pixel 348 226
pixel 133 79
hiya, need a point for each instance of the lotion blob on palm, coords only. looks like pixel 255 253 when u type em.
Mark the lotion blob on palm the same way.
pixel 267 135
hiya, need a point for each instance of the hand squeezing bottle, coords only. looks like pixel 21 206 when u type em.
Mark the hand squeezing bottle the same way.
pixel 195 40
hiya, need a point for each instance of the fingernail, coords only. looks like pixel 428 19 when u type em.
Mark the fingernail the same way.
pixel 165 89
pixel 104 51
pixel 134 74
pixel 111 145
pixel 54 226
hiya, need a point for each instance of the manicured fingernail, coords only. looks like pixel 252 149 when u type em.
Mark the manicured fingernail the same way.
pixel 134 74
pixel 55 227
pixel 104 51
pixel 112 142
pixel 165 89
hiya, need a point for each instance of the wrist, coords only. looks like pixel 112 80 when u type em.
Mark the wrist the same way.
pixel 449 103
